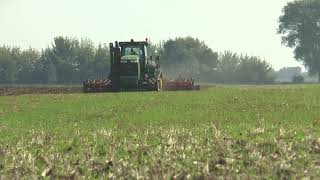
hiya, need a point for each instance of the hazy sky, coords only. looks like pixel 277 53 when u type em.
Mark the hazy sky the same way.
pixel 244 26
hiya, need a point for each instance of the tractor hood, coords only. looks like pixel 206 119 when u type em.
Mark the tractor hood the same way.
pixel 130 59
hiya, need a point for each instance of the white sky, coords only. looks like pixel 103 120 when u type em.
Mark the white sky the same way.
pixel 246 26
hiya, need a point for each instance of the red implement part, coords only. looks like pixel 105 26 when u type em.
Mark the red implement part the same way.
pixel 101 85
pixel 179 85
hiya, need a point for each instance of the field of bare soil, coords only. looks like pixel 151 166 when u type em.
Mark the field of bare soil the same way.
pixel 20 90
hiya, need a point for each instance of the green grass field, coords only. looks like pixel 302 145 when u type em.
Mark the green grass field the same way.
pixel 228 131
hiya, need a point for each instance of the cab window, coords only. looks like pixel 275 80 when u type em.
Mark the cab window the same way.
pixel 133 51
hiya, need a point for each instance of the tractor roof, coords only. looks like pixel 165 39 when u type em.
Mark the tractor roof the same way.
pixel 128 43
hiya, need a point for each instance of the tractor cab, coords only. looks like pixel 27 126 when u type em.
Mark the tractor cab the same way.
pixel 130 67
pixel 134 50
pixel 132 60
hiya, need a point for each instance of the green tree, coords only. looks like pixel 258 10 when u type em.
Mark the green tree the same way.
pixel 8 68
pixel 285 74
pixel 187 57
pixel 100 67
pixel 234 68
pixel 63 55
pixel 46 67
pixel 26 66
pixel 253 70
pixel 51 73
pixel 85 54
pixel 297 79
pixel 300 27
pixel 227 67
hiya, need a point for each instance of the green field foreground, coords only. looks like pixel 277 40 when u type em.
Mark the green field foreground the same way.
pixel 223 132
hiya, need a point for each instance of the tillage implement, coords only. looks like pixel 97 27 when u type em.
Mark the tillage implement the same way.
pixel 131 69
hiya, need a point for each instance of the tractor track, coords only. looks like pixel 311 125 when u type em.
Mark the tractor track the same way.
pixel 21 90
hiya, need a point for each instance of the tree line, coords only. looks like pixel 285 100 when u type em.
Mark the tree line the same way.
pixel 70 61
pixel 67 61
pixel 189 57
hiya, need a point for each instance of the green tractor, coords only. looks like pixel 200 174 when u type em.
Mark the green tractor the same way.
pixel 131 69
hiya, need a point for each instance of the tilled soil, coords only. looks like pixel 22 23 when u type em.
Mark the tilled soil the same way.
pixel 20 90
